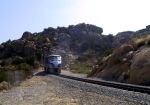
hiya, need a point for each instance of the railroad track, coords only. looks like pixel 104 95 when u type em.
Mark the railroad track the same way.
pixel 124 86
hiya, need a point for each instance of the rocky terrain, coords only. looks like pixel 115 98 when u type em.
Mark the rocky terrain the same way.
pixel 123 37
pixel 53 90
pixel 129 63
pixel 82 40
pixel 78 40
pixel 80 45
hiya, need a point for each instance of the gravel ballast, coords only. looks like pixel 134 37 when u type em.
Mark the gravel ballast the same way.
pixel 55 90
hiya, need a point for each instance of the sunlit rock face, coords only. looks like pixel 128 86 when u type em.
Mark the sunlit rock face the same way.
pixel 128 63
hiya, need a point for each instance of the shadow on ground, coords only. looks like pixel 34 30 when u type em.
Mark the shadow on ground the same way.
pixel 42 73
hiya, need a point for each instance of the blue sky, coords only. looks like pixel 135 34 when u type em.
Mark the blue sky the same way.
pixel 17 16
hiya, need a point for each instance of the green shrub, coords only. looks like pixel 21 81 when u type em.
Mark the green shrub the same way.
pixel 30 60
pixel 80 68
pixel 82 58
pixel 24 66
pixel 10 67
pixel 1 74
pixel 107 52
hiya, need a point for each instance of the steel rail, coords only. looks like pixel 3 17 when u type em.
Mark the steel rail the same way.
pixel 124 86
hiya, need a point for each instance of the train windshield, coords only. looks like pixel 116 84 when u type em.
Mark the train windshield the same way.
pixel 55 58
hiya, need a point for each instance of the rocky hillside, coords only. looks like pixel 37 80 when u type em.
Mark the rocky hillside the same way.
pixel 123 37
pixel 71 42
pixel 130 63
pixel 80 46
pixel 28 49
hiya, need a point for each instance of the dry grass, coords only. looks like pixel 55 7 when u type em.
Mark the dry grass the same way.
pixel 139 41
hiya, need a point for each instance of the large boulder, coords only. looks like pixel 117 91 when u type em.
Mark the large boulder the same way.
pixel 126 64
pixel 26 35
pixel 140 67
pixel 122 37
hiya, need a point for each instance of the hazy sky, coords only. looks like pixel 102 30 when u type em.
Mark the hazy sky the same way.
pixel 17 16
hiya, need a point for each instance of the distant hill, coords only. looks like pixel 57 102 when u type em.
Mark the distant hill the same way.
pixel 123 37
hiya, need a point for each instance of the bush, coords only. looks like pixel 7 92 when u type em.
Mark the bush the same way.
pixel 80 68
pixel 10 67
pixel 107 52
pixel 1 74
pixel 24 66
pixel 82 59
pixel 17 60
pixel 30 60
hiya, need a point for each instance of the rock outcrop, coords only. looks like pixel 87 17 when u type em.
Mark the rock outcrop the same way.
pixel 74 40
pixel 128 63
pixel 123 37
pixel 26 35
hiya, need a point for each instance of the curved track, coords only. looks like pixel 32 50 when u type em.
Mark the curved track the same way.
pixel 130 87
